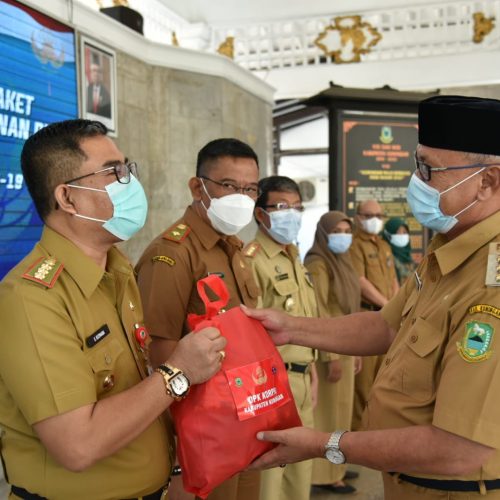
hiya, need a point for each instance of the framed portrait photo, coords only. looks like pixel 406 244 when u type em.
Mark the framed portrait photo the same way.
pixel 98 83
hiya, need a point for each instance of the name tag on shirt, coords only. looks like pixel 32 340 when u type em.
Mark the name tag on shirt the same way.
pixel 97 336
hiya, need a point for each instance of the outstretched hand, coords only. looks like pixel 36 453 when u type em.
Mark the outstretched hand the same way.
pixel 295 444
pixel 277 323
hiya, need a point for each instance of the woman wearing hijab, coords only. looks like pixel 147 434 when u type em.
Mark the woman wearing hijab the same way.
pixel 338 293
pixel 397 234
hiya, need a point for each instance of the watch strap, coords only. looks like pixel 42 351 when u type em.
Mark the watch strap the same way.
pixel 334 440
pixel 168 372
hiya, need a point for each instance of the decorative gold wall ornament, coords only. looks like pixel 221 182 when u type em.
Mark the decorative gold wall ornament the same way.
pixel 482 26
pixel 347 38
pixel 226 48
pixel 175 42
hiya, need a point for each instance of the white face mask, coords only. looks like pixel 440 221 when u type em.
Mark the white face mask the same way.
pixel 373 225
pixel 400 240
pixel 231 213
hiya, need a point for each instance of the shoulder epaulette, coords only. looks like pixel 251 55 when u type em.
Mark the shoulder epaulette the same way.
pixel 251 250
pixel 177 233
pixel 45 271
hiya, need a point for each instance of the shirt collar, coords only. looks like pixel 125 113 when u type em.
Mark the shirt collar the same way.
pixel 270 247
pixel 207 235
pixel 361 233
pixel 451 254
pixel 84 271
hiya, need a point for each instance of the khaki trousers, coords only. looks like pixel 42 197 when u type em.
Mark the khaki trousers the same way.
pixel 333 411
pixel 292 482
pixel 242 486
pixel 395 489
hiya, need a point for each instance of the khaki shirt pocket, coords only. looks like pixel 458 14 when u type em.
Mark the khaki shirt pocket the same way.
pixel 286 295
pixel 102 359
pixel 420 360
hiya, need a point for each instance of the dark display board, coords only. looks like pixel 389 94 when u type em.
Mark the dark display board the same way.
pixel 37 86
pixel 375 161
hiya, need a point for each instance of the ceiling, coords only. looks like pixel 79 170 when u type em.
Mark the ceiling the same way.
pixel 239 12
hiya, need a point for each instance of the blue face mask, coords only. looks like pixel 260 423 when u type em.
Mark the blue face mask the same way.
pixel 424 203
pixel 130 208
pixel 339 242
pixel 285 225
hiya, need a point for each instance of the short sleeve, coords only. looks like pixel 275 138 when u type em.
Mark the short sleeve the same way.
pixel 358 258
pixel 165 282
pixel 467 396
pixel 41 353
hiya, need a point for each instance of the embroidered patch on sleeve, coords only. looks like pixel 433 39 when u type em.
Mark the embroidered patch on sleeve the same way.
pixel 486 309
pixel 476 343
pixel 164 258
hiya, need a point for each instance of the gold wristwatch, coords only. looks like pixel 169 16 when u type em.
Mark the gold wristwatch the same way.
pixel 176 383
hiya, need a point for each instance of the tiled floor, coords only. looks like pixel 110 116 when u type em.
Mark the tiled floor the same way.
pixel 368 485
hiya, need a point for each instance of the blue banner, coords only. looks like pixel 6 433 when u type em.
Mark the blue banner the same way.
pixel 37 86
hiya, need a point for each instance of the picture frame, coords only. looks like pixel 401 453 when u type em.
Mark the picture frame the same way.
pixel 98 83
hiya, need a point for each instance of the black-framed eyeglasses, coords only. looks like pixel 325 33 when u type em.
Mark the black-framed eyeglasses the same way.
pixel 122 172
pixel 232 188
pixel 286 206
pixel 370 216
pixel 425 170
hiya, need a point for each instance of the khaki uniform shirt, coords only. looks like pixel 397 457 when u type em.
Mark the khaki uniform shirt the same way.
pixel 284 285
pixel 328 305
pixel 372 258
pixel 68 340
pixel 442 368
pixel 172 264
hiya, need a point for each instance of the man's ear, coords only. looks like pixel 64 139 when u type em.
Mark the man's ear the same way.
pixel 64 198
pixel 196 188
pixel 490 184
pixel 259 214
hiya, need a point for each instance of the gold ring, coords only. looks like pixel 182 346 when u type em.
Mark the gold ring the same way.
pixel 222 355
pixel 282 465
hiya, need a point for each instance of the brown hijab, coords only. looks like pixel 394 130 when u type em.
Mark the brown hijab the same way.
pixel 343 278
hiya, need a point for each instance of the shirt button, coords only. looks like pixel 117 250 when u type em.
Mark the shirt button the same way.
pixel 131 305
pixel 413 338
pixel 107 359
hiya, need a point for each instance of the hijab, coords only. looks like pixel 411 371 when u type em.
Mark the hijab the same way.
pixel 403 254
pixel 343 278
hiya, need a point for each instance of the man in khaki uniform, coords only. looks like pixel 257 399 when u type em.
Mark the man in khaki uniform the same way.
pixel 285 285
pixel 200 243
pixel 79 404
pixel 432 419
pixel 373 260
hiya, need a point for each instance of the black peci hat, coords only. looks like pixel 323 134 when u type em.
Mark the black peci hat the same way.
pixel 469 124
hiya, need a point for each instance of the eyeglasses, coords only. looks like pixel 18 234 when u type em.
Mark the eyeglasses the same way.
pixel 231 188
pixel 425 170
pixel 286 206
pixel 122 172
pixel 370 216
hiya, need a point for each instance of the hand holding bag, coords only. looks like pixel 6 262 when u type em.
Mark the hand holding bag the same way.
pixel 218 422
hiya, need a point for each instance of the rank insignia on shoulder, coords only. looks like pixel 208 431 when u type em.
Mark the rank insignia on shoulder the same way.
pixel 177 233
pixel 493 265
pixel 164 258
pixel 476 343
pixel 251 250
pixel 45 271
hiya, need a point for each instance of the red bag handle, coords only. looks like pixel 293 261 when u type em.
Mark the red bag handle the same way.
pixel 217 285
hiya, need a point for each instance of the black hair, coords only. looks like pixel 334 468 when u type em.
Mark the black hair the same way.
pixel 53 155
pixel 220 148
pixel 278 183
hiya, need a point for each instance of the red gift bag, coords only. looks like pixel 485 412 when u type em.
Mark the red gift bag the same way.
pixel 217 423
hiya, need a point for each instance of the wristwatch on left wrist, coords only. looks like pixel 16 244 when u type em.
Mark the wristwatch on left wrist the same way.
pixel 176 383
pixel 332 450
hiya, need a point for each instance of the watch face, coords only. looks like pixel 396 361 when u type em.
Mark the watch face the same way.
pixel 335 456
pixel 179 385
